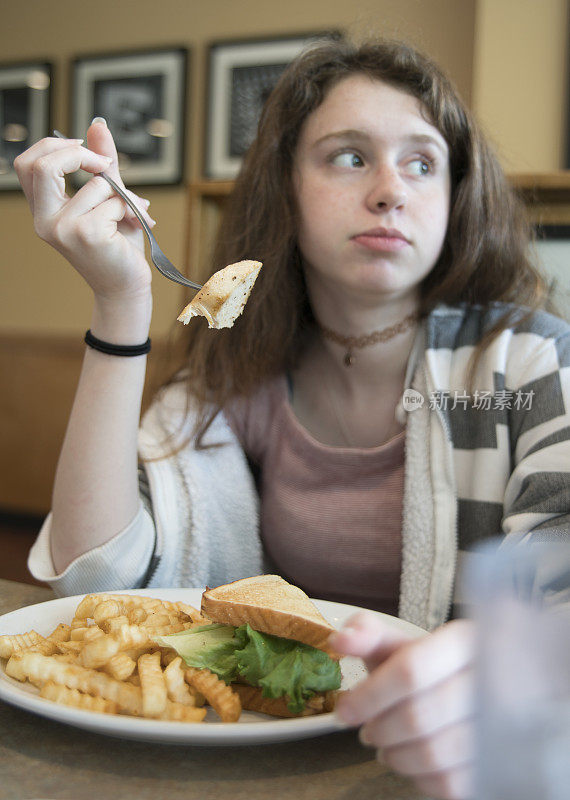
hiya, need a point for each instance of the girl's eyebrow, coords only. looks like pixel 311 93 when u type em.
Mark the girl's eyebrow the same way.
pixel 413 138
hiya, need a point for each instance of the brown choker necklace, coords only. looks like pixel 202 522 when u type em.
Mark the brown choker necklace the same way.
pixel 352 342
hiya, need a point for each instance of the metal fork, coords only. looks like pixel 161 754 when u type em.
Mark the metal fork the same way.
pixel 160 261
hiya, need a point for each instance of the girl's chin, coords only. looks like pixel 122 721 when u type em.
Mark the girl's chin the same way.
pixel 371 282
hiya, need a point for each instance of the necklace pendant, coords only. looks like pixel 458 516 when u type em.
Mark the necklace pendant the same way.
pixel 348 359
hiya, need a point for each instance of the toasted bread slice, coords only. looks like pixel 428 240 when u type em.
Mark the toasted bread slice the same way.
pixel 270 605
pixel 252 699
pixel 223 297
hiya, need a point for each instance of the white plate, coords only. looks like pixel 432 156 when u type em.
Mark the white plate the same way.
pixel 252 728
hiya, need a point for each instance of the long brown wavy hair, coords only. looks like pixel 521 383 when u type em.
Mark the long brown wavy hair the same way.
pixel 484 257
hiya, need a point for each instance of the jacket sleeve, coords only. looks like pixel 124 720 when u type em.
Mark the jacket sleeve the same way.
pixel 120 563
pixel 537 496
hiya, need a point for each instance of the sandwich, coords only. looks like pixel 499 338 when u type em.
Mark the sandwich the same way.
pixel 269 642
pixel 223 297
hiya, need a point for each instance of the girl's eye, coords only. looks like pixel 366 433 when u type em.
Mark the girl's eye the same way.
pixel 347 159
pixel 420 166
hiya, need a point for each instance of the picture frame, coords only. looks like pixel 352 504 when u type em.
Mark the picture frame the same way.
pixel 25 112
pixel 142 96
pixel 552 248
pixel 241 75
pixel 566 156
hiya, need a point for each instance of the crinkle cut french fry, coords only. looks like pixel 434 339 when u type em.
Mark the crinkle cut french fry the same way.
pixel 75 647
pixel 86 634
pixel 224 702
pixel 15 669
pixel 67 658
pixel 153 686
pixel 86 607
pixel 15 643
pixel 177 712
pixel 115 623
pixel 41 669
pixel 76 699
pixel 132 636
pixel 130 601
pixel 136 652
pixel 107 609
pixel 93 632
pixel 157 618
pixel 60 634
pixel 11 644
pixel 136 615
pixel 177 688
pixel 120 666
pixel 97 653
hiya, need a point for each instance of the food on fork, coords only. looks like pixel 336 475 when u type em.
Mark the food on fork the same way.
pixel 223 297
pixel 268 641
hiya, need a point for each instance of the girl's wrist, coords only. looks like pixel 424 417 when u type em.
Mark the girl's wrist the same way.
pixel 123 321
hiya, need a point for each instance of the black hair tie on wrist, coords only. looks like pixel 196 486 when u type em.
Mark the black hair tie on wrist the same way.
pixel 116 349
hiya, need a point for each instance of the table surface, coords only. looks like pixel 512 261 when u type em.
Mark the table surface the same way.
pixel 40 758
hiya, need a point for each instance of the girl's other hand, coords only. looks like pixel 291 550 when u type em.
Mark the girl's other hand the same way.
pixel 94 230
pixel 416 705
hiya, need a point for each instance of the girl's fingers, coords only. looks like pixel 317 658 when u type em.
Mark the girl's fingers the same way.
pixel 100 140
pixel 446 704
pixel 452 784
pixel 49 173
pixel 108 212
pixel 449 748
pixel 369 637
pixel 142 206
pixel 90 195
pixel 412 668
pixel 24 163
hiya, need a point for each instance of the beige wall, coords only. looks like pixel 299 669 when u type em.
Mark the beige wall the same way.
pixel 40 293
pixel 521 80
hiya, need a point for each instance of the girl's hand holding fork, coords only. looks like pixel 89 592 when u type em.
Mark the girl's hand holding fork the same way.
pixel 94 230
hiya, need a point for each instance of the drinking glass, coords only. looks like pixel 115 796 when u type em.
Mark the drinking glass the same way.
pixel 520 597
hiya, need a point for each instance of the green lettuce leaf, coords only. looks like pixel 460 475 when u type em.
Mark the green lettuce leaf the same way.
pixel 285 667
pixel 210 647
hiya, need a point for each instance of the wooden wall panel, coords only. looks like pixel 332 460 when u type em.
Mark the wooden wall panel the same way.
pixel 38 376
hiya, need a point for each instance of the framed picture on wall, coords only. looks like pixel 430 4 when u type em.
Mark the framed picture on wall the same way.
pixel 552 246
pixel 142 96
pixel 241 76
pixel 25 92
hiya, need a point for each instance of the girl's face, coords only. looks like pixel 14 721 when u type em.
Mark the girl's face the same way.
pixel 372 184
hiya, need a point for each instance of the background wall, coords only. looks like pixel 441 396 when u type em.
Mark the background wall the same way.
pixel 507 58
pixel 520 80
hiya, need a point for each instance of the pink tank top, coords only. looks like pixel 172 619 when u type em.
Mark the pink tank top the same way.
pixel 331 517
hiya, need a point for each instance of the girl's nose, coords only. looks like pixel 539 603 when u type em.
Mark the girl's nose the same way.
pixel 387 190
